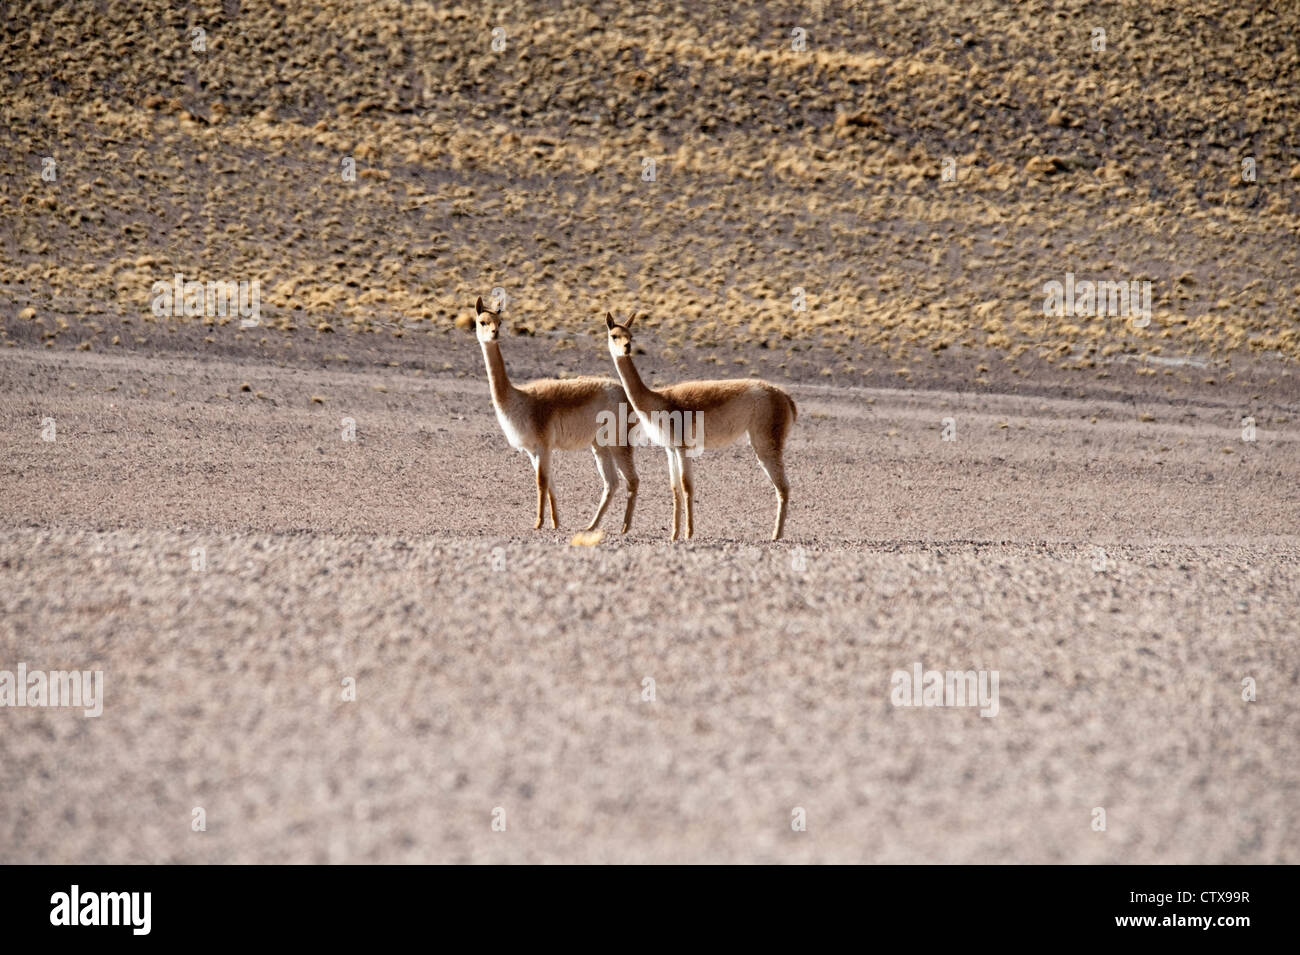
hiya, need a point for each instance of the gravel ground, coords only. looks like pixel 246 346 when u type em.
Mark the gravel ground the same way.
pixel 1123 566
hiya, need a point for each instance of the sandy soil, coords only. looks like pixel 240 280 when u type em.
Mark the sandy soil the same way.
pixel 496 666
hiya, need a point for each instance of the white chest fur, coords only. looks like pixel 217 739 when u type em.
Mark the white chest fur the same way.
pixel 651 427
pixel 512 426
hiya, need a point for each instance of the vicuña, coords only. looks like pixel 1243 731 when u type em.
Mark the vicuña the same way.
pixel 715 414
pixel 554 415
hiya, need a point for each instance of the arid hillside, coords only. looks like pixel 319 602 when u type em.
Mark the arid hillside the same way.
pixel 919 170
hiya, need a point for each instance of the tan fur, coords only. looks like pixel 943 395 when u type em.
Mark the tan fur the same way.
pixel 556 415
pixel 708 414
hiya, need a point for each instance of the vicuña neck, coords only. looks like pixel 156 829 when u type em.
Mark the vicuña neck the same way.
pixel 643 399
pixel 496 369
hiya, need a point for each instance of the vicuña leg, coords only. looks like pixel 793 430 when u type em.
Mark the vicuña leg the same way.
pixel 769 455
pixel 542 465
pixel 686 472
pixel 608 474
pixel 674 476
pixel 541 491
pixel 550 495
pixel 627 467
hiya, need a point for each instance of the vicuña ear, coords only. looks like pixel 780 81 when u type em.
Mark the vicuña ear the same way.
pixel 479 307
pixel 609 320
pixel 631 316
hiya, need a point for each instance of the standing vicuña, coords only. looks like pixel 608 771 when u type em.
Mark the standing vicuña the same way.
pixel 553 415
pixel 691 416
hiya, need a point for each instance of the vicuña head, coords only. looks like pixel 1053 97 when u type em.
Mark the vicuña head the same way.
pixel 620 336
pixel 487 323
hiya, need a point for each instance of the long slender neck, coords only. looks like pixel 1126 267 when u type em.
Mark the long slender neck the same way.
pixel 496 369
pixel 643 399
